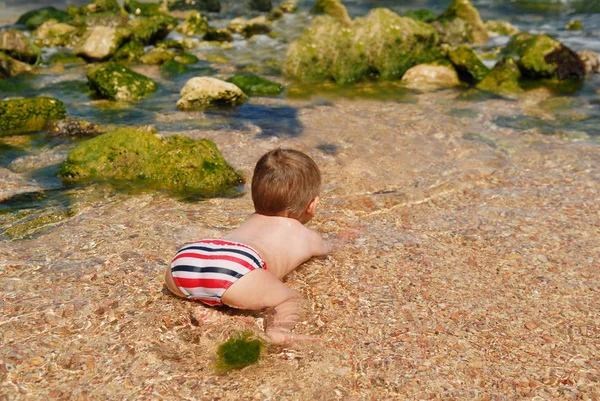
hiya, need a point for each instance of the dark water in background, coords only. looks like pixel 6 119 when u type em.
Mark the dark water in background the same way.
pixel 37 164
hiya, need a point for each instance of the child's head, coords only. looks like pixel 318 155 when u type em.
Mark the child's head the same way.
pixel 285 183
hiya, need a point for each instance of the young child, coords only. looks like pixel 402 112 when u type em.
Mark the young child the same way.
pixel 244 269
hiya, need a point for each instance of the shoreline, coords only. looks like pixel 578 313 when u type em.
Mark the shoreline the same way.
pixel 470 272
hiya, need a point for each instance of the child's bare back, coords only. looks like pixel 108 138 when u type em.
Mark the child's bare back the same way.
pixel 244 269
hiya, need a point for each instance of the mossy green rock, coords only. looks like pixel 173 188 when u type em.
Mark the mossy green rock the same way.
pixel 97 6
pixel 423 15
pixel 141 8
pixel 503 79
pixel 260 5
pixel 194 24
pixel 333 8
pixel 201 92
pixel 467 64
pixel 19 116
pixel 540 56
pixel 218 35
pixel 176 163
pixel 149 30
pixel 117 82
pixel 53 34
pixel 469 29
pixel 255 85
pixel 9 67
pixel 101 42
pixel 35 18
pixel 14 43
pixel 199 5
pixel 157 56
pixel 65 58
pixel 129 52
pixel 104 19
pixel 575 25
pixel 256 26
pixel 502 28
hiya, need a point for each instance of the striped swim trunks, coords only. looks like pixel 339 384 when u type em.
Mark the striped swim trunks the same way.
pixel 205 269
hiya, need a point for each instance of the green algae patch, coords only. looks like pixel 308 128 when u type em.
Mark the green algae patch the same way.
pixel 117 82
pixel 133 156
pixel 422 15
pixel 333 8
pixel 255 85
pixel 129 52
pixel 34 18
pixel 19 116
pixel 540 56
pixel 142 8
pixel 149 30
pixel 467 64
pixel 503 79
pixel 27 225
pixel 462 23
pixel 240 350
pixel 575 25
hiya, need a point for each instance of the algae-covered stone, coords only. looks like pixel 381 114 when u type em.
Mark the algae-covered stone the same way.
pixel 35 18
pixel 434 75
pixel 255 85
pixel 19 116
pixel 540 56
pixel 176 163
pixel 53 34
pixel 467 64
pixel 129 52
pixel 423 15
pixel 185 58
pixel 97 6
pixel 202 92
pixel 501 28
pixel 256 26
pixel 590 60
pixel 14 43
pixel 575 25
pixel 474 29
pixel 333 8
pixel 194 24
pixel 503 79
pixel 99 43
pixel 218 35
pixel 260 5
pixel 72 127
pixel 104 19
pixel 383 45
pixel 9 67
pixel 288 6
pixel 117 82
pixel 149 30
pixel 157 56
pixel 142 8
pixel 199 5
pixel 172 68
pixel 65 58
pixel 393 44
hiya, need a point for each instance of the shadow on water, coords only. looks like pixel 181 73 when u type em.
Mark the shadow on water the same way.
pixel 274 120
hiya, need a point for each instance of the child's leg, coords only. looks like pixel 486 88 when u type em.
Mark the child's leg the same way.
pixel 260 289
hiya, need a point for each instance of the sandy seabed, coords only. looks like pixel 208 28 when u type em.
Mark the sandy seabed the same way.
pixel 467 268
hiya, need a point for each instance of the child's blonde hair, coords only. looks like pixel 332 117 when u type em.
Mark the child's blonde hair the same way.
pixel 284 183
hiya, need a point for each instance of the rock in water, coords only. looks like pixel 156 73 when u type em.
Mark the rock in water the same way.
pixel 431 76
pixel 255 85
pixel 35 18
pixel 101 42
pixel 18 116
pixel 9 67
pixel 14 43
pixel 202 92
pixel 461 23
pixel 503 79
pixel 590 60
pixel 117 82
pixel 540 56
pixel 467 64
pixel 134 155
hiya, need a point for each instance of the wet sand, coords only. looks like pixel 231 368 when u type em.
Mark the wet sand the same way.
pixel 468 269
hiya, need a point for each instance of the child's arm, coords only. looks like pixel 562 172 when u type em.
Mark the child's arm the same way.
pixel 260 289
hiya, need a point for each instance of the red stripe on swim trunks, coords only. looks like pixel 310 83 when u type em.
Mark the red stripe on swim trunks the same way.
pixel 201 282
pixel 214 257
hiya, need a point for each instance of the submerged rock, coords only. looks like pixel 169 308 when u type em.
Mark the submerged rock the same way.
pixel 65 58
pixel 431 76
pixel 176 163
pixel 53 34
pixel 503 79
pixel 129 52
pixel 72 127
pixel 14 43
pixel 157 56
pixel 149 30
pixel 540 56
pixel 256 26
pixel 501 28
pixel 18 116
pixel 9 67
pixel 255 85
pixel 467 64
pixel 99 43
pixel 461 23
pixel 194 24
pixel 333 8
pixel 383 45
pixel 117 82
pixel 145 9
pixel 590 60
pixel 575 25
pixel 33 19
pixel 202 92
pixel 218 35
